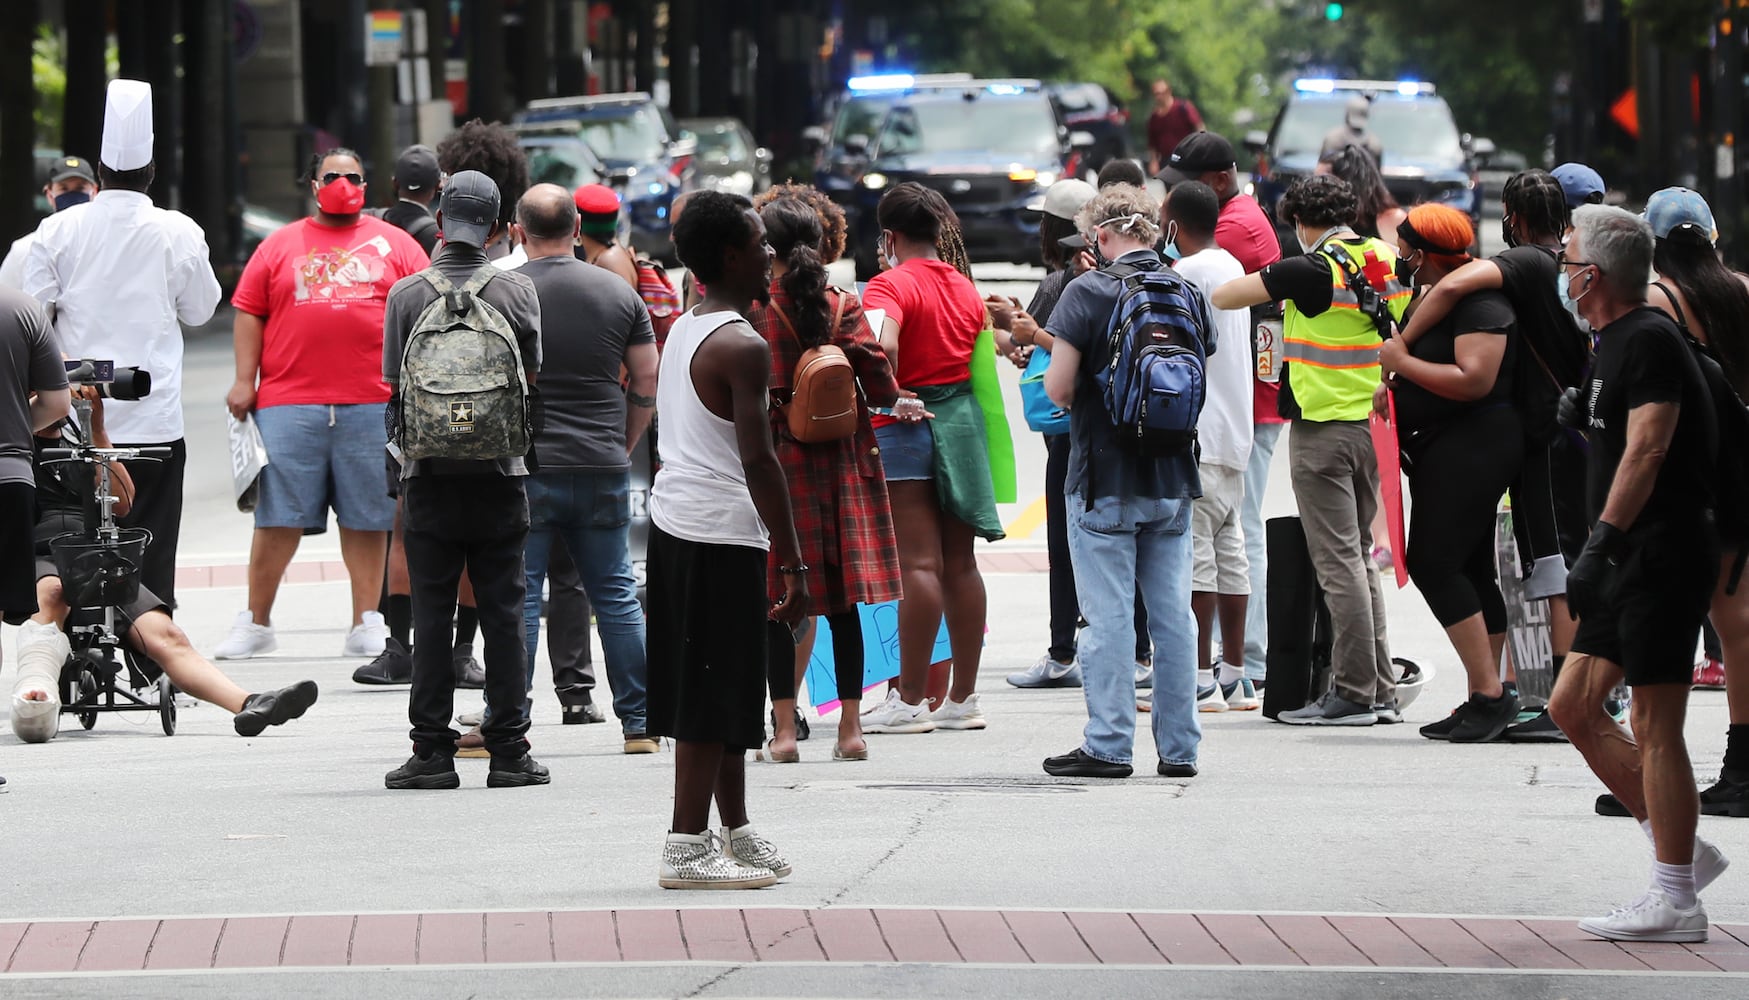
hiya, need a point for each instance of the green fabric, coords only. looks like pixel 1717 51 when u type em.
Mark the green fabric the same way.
pixel 962 459
pixel 999 440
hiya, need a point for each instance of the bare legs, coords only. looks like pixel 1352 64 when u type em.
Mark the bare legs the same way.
pixel 270 552
pixel 365 555
pixel 1229 609
pixel 940 574
pixel 1480 653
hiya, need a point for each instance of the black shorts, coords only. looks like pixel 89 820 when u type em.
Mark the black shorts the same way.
pixel 63 523
pixel 17 541
pixel 707 641
pixel 1548 515
pixel 1664 587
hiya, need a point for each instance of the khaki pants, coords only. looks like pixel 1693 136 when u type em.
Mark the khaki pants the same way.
pixel 1336 482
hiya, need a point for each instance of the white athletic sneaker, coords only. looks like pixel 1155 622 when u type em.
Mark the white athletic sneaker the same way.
pixel 1210 699
pixel 1047 673
pixel 1652 917
pixel 958 715
pixel 744 845
pixel 1709 864
pixel 246 639
pixel 696 862
pixel 1144 674
pixel 367 638
pixel 895 716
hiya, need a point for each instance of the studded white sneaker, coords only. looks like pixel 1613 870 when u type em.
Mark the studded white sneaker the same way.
pixel 748 847
pixel 694 861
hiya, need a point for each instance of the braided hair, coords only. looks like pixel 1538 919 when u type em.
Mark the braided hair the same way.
pixel 1535 199
pixel 314 171
pixel 792 227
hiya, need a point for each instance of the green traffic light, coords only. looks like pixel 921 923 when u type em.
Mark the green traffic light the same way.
pixel 1332 12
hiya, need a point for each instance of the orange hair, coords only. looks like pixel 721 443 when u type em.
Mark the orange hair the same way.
pixel 1442 230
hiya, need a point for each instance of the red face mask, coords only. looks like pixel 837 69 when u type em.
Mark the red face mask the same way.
pixel 341 197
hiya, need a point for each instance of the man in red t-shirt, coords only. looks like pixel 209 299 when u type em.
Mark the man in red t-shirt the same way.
pixel 309 347
pixel 1246 233
pixel 1171 120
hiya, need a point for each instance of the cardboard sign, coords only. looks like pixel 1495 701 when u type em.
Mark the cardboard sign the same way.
pixel 1384 442
pixel 880 651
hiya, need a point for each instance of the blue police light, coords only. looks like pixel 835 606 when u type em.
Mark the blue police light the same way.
pixel 1005 89
pixel 1306 85
pixel 1409 88
pixel 882 81
pixel 1332 12
pixel 657 187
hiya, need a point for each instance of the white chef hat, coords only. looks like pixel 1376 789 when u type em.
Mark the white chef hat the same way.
pixel 127 125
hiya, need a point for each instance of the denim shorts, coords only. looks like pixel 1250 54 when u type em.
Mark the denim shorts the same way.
pixel 907 451
pixel 321 458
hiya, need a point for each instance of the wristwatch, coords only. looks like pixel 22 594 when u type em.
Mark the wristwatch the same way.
pixel 793 570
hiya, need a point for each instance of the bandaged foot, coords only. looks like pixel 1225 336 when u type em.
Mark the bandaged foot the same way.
pixel 36 699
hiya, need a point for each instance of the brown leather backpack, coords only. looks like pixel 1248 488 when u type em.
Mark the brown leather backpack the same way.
pixel 823 404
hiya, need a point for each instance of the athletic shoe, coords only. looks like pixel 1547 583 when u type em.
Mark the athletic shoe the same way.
pixel 1210 699
pixel 1709 864
pixel 1077 764
pixel 274 708
pixel 895 715
pixel 1442 729
pixel 368 638
pixel 517 772
pixel 1048 673
pixel 694 861
pixel 637 743
pixel 1616 709
pixel 1540 729
pixel 1144 674
pixel 1608 805
pixel 393 666
pixel 744 845
pixel 1330 710
pixel 1388 713
pixel 958 715
pixel 581 715
pixel 1729 796
pixel 246 639
pixel 471 719
pixel 1709 675
pixel 1652 917
pixel 468 672
pixel 1240 696
pixel 435 771
pixel 1487 718
pixel 1144 701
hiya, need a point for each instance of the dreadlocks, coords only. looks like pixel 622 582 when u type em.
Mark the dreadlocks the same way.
pixel 951 247
pixel 1534 200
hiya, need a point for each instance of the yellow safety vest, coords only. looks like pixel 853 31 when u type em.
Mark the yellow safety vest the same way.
pixel 1335 354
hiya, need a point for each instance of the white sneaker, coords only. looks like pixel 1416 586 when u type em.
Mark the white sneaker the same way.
pixel 246 639
pixel 1210 699
pixel 958 715
pixel 471 718
pixel 1709 864
pixel 1047 673
pixel 896 716
pixel 1144 674
pixel 367 638
pixel 697 862
pixel 744 845
pixel 1652 917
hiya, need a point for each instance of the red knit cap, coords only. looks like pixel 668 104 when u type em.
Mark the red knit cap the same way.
pixel 596 199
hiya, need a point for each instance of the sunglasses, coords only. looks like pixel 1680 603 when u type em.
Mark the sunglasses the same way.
pixel 330 178
pixel 1561 259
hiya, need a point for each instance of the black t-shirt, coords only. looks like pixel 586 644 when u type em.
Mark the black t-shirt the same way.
pixel 1045 298
pixel 61 487
pixel 1642 359
pixel 416 220
pixel 1548 334
pixel 1419 409
pixel 1303 280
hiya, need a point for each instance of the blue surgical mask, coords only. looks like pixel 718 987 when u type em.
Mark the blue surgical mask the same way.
pixel 67 199
pixel 1171 250
pixel 1563 289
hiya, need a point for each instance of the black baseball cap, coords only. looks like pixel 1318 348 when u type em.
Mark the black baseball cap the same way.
pixel 72 166
pixel 469 208
pixel 416 169
pixel 1197 154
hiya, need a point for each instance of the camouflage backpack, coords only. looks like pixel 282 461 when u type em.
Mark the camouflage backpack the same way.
pixel 464 394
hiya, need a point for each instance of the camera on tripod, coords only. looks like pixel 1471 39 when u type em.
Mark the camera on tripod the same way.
pixel 111 382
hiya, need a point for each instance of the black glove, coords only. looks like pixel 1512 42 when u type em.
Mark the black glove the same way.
pixel 1570 411
pixel 1591 581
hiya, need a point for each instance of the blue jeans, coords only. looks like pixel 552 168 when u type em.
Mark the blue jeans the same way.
pixel 592 512
pixel 1265 438
pixel 1121 548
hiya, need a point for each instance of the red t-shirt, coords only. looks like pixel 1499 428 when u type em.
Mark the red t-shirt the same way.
pixel 1166 130
pixel 322 290
pixel 1245 232
pixel 940 316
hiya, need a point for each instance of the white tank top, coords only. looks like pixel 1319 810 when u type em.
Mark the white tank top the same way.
pixel 700 493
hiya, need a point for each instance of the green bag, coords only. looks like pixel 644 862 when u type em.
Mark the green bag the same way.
pixel 987 387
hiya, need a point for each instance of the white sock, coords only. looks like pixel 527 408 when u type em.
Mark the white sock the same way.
pixel 1646 828
pixel 1677 882
pixel 1205 678
pixel 1228 673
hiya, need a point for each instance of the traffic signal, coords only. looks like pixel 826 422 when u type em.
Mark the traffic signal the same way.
pixel 1332 12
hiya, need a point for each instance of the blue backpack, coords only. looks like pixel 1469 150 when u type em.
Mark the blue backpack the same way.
pixel 1161 334
pixel 1042 415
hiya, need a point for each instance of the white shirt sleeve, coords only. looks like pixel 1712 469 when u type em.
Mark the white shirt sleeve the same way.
pixel 200 293
pixel 12 268
pixel 41 281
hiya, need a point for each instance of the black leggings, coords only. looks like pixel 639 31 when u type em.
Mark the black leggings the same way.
pixel 780 668
pixel 1457 477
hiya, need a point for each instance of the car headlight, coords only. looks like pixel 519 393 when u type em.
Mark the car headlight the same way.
pixel 1046 178
pixel 874 180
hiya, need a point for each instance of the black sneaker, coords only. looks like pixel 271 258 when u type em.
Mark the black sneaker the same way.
pixel 274 708
pixel 512 772
pixel 1609 805
pixel 1166 770
pixel 1729 796
pixel 1076 764
pixel 802 731
pixel 468 672
pixel 1541 729
pixel 394 665
pixel 580 715
pixel 1487 718
pixel 1442 729
pixel 435 771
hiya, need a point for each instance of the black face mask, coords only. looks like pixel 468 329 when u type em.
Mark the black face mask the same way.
pixel 1506 233
pixel 1405 273
pixel 67 199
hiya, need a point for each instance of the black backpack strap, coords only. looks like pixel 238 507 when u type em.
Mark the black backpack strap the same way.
pixel 1676 304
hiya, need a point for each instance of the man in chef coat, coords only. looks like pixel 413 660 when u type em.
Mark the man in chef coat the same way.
pixel 119 273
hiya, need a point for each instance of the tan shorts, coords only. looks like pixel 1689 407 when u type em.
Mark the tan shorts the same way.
pixel 1217 537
